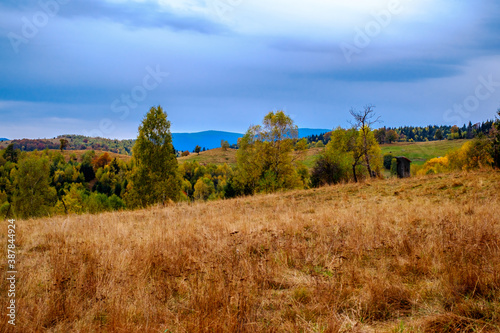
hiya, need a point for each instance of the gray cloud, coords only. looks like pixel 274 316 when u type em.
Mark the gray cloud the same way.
pixel 146 14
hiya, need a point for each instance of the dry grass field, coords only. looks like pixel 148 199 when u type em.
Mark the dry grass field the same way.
pixel 414 255
pixel 215 156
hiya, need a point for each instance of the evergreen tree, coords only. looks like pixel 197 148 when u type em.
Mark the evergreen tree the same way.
pixel 495 134
pixel 11 154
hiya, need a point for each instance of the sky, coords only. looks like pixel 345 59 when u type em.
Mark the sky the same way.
pixel 95 67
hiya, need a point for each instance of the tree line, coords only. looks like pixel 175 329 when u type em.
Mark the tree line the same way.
pixel 417 133
pixel 270 158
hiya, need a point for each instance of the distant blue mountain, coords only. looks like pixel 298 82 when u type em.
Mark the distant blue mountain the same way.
pixel 3 139
pixel 212 139
pixel 207 139
pixel 303 132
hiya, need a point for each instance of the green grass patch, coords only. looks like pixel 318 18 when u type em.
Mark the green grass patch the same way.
pixel 420 152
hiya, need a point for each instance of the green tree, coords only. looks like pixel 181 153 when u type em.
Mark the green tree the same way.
pixel 155 177
pixel 495 135
pixel 265 159
pixel 33 195
pixel 64 144
pixel 344 147
pixel 224 145
pixel 11 154
pixel 439 134
pixel 197 149
pixel 203 188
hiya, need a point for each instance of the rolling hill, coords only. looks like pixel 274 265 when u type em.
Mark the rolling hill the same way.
pixel 412 255
pixel 181 141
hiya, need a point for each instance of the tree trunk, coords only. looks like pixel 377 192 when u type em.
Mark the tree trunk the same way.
pixel 365 151
pixel 367 159
pixel 354 173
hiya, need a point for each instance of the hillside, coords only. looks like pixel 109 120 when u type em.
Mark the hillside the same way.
pixel 215 156
pixel 181 141
pixel 79 153
pixel 414 255
pixel 207 139
pixel 419 152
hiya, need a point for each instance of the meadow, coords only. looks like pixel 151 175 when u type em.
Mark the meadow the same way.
pixel 420 152
pixel 212 156
pixel 414 255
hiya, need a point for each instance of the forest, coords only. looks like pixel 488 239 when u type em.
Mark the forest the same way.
pixel 269 159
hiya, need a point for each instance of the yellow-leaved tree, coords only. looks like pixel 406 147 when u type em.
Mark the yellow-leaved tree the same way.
pixel 266 161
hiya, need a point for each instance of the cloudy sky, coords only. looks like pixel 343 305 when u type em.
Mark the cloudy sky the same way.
pixel 95 67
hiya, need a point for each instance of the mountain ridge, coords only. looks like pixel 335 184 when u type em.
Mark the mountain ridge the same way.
pixel 209 139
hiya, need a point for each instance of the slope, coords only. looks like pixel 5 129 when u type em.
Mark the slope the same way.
pixel 420 254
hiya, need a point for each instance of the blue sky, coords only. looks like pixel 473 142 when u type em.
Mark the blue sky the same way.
pixel 95 67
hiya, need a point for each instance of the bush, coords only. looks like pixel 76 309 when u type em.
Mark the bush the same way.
pixel 393 166
pixel 4 209
pixel 327 171
pixel 435 165
pixel 116 202
pixel 387 161
pixel 97 202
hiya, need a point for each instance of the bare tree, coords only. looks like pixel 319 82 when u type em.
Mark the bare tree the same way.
pixel 363 120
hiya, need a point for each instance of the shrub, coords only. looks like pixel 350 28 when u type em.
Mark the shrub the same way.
pixel 435 165
pixel 328 169
pixel 116 202
pixel 387 161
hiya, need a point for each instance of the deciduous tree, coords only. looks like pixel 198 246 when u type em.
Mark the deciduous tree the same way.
pixel 155 178
pixel 363 120
pixel 224 145
pixel 265 157
pixel 33 195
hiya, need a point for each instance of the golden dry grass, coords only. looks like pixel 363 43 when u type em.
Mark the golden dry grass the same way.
pixel 414 255
pixel 212 156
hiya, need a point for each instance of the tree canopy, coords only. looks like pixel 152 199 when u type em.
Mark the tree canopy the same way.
pixel 265 156
pixel 155 177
